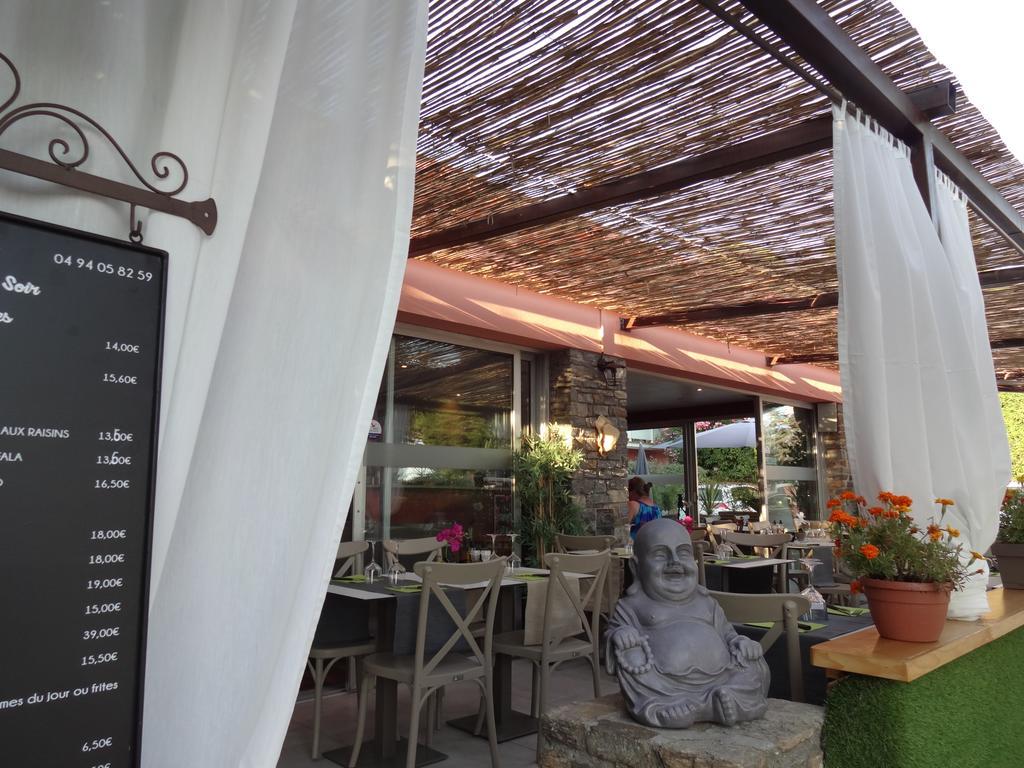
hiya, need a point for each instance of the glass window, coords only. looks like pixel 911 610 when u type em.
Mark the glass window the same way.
pixel 423 500
pixel 790 462
pixel 444 449
pixel 446 394
pixel 788 434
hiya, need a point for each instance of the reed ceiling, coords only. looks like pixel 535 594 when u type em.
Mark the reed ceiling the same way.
pixel 528 100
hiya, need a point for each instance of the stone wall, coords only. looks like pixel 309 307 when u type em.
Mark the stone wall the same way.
pixel 579 394
pixel 837 464
pixel 599 734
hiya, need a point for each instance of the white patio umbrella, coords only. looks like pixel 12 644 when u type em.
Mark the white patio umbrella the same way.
pixel 641 460
pixel 740 434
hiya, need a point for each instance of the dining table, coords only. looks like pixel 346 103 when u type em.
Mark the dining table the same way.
pixel 841 621
pixel 395 608
pixel 742 574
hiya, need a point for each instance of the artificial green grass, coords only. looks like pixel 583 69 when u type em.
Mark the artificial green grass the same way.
pixel 966 714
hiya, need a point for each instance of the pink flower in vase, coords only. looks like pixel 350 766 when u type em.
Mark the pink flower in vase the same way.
pixel 688 522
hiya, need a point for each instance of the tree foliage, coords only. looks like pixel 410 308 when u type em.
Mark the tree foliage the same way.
pixel 728 465
pixel 1013 413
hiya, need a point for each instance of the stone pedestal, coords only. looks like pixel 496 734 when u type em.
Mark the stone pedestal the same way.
pixel 600 734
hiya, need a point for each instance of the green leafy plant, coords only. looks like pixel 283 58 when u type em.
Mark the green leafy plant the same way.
pixel 1012 404
pixel 885 543
pixel 544 469
pixel 747 496
pixel 709 496
pixel 1011 517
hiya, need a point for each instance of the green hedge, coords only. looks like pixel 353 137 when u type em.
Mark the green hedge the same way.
pixel 966 714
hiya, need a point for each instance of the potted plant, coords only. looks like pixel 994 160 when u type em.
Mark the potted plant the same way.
pixel 907 573
pixel 1009 546
pixel 544 469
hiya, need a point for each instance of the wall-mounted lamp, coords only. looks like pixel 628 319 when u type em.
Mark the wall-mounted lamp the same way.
pixel 828 417
pixel 607 435
pixel 610 369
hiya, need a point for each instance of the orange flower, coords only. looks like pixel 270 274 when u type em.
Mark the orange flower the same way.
pixel 870 551
pixel 953 532
pixel 833 503
pixel 934 532
pixel 914 529
pixel 946 502
pixel 848 496
pixel 902 501
pixel 976 556
pixel 885 496
pixel 875 511
pixel 892 513
pixel 862 501
pixel 855 587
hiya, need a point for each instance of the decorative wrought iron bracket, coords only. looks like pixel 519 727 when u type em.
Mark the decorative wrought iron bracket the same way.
pixel 66 160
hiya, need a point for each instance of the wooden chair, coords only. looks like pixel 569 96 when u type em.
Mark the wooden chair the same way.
pixel 716 531
pixel 570 544
pixel 327 651
pixel 396 549
pixel 426 675
pixel 760 525
pixel 784 610
pixel 773 542
pixel 556 647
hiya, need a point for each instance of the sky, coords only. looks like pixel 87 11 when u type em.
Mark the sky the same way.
pixel 981 43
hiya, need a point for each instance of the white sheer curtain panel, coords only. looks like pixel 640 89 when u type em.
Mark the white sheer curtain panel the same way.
pixel 919 392
pixel 300 119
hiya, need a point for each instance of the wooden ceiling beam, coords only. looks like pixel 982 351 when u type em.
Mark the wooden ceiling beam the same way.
pixel 810 32
pixel 989 279
pixel 831 357
pixel 802 139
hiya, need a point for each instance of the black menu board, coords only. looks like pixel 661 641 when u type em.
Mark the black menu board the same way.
pixel 81 322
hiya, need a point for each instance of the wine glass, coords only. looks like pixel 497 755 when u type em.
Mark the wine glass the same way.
pixel 372 572
pixel 395 571
pixel 513 559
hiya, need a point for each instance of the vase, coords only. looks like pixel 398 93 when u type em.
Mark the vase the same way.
pixel 908 610
pixel 1011 563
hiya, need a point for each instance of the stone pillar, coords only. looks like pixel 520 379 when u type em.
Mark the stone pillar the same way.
pixel 579 394
pixel 837 464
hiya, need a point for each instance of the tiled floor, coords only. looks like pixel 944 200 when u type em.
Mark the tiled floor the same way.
pixel 571 682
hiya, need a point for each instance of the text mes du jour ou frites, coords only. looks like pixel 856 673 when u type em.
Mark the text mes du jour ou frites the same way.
pixel 49 697
pixel 103 267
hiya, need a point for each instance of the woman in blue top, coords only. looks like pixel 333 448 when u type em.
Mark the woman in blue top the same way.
pixel 642 508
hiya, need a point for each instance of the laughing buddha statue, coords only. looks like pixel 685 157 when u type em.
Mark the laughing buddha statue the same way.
pixel 677 658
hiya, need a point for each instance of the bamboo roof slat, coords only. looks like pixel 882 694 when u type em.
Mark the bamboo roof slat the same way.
pixel 526 100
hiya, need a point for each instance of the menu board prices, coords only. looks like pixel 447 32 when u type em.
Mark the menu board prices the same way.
pixel 81 323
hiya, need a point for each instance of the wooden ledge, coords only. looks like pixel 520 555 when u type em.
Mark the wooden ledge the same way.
pixel 864 653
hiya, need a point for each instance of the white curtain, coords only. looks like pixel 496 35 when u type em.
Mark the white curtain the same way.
pixel 300 119
pixel 919 392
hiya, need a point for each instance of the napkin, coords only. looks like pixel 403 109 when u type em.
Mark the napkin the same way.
pixel 564 619
pixel 408 589
pixel 351 579
pixel 846 610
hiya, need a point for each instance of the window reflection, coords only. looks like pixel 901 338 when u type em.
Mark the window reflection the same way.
pixel 424 500
pixel 788 436
pixel 447 394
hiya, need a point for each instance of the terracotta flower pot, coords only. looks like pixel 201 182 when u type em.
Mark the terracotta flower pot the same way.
pixel 1011 563
pixel 907 610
